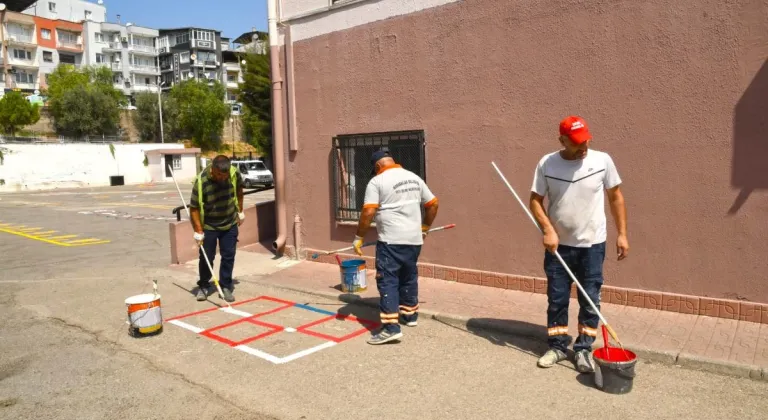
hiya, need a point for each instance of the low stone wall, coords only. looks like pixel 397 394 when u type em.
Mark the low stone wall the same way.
pixel 259 226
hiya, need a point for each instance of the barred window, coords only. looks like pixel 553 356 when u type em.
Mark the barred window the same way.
pixel 352 167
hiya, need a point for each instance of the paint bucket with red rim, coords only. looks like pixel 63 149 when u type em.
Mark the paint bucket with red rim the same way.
pixel 614 369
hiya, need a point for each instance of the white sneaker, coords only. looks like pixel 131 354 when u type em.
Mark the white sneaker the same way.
pixel 551 358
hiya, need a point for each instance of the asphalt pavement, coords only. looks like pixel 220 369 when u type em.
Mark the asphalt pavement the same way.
pixel 65 351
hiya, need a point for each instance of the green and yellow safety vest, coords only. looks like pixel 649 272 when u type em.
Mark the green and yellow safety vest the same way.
pixel 232 179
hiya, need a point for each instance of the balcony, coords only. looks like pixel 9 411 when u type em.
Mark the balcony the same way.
pixel 204 64
pixel 113 46
pixel 27 86
pixel 144 88
pixel 143 49
pixel 23 63
pixel 138 68
pixel 116 67
pixel 200 44
pixel 18 39
pixel 69 46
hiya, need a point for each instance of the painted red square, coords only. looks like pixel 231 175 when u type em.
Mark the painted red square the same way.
pixel 284 305
pixel 273 329
pixel 367 326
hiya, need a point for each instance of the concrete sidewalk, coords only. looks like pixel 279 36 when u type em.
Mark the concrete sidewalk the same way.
pixel 732 347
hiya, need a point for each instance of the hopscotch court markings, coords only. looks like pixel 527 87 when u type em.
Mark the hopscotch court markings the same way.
pixel 47 236
pixel 247 318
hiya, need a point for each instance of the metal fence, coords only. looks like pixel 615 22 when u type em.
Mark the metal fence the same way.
pixel 352 166
pixel 62 139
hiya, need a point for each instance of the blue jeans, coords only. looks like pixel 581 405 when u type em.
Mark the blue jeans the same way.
pixel 587 265
pixel 227 241
pixel 397 278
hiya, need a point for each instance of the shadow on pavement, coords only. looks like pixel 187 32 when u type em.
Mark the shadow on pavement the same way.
pixel 530 340
pixel 587 379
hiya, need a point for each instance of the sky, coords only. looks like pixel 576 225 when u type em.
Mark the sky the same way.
pixel 232 17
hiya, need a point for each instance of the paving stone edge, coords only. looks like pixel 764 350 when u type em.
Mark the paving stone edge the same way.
pixel 685 360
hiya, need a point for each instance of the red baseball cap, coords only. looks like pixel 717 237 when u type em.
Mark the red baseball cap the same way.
pixel 575 128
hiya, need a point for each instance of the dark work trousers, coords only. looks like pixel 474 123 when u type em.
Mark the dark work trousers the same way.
pixel 587 265
pixel 397 278
pixel 227 242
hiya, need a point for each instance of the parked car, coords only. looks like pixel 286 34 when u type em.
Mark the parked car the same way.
pixel 254 173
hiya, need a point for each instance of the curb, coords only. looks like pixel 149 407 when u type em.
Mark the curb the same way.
pixel 685 360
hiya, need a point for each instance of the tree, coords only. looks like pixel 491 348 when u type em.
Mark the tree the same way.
pixel 146 118
pixel 16 111
pixel 201 111
pixel 84 102
pixel 255 93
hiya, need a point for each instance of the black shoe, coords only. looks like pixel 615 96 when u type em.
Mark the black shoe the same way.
pixel 228 295
pixel 202 294
pixel 583 362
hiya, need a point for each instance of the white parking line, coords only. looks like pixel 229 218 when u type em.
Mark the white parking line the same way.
pixel 186 326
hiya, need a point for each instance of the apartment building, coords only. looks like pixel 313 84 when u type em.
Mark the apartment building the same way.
pixel 130 51
pixel 189 53
pixel 231 74
pixel 232 57
pixel 59 41
pixel 70 10
pixel 21 66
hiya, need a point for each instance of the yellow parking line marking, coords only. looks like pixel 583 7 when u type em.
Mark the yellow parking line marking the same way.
pixel 79 241
pixel 29 230
pixel 64 237
pixel 54 241
pixel 98 242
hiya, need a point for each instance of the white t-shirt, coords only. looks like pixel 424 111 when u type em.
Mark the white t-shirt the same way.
pixel 576 196
pixel 398 194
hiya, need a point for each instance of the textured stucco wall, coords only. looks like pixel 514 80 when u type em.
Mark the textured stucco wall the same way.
pixel 676 93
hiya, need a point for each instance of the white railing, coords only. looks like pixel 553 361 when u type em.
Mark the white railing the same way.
pixel 20 38
pixel 22 61
pixel 143 68
pixel 114 45
pixel 116 66
pixel 21 85
pixel 144 87
pixel 69 44
pixel 144 48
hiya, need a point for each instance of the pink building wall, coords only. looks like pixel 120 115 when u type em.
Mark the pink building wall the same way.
pixel 676 92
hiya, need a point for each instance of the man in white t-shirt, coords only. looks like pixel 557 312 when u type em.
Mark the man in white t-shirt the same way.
pixel 395 196
pixel 574 180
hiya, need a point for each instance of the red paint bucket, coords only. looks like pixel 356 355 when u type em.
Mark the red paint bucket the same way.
pixel 614 369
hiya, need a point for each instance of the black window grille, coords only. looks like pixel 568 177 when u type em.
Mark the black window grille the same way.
pixel 352 165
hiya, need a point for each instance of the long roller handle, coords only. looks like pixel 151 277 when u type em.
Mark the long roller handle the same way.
pixel 181 196
pixel 557 254
pixel 348 248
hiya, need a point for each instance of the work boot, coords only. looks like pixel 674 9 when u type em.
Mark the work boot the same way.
pixel 385 336
pixel 583 362
pixel 202 294
pixel 228 295
pixel 551 358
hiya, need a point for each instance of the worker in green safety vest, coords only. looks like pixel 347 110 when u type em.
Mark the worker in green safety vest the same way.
pixel 216 208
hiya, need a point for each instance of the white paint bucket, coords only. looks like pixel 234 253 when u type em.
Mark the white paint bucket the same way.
pixel 144 314
pixel 353 276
